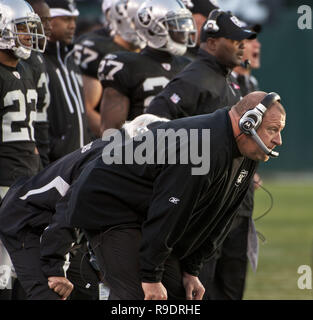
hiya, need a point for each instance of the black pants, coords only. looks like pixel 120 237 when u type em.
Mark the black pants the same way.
pixel 26 262
pixel 224 275
pixel 82 275
pixel 117 253
pixel 27 266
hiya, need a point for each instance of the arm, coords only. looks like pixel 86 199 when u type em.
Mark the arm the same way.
pixel 167 221
pixel 193 286
pixel 177 100
pixel 92 93
pixel 56 242
pixel 114 109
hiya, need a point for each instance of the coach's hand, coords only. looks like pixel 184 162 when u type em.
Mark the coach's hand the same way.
pixel 154 291
pixel 62 286
pixel 193 286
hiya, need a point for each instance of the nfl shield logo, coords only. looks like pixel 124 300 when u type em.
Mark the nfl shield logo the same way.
pixel 175 98
pixel 166 66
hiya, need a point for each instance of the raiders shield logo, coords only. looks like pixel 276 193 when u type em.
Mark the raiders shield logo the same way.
pixel 144 16
pixel 242 175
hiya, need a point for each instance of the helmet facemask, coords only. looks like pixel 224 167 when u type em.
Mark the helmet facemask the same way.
pixel 23 35
pixel 173 32
pixel 122 23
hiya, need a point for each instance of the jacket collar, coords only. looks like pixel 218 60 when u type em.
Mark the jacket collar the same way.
pixel 159 55
pixel 212 62
pixel 53 47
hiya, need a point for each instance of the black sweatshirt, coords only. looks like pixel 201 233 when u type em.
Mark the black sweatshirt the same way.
pixel 178 212
pixel 66 114
pixel 202 87
pixel 30 206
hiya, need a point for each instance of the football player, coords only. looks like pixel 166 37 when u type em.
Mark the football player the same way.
pixel 131 80
pixel 21 32
pixel 37 64
pixel 91 47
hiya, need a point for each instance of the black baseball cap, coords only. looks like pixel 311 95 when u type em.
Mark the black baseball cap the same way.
pixel 230 27
pixel 257 28
pixel 62 8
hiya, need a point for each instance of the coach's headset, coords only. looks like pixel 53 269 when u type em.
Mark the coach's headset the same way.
pixel 211 24
pixel 251 120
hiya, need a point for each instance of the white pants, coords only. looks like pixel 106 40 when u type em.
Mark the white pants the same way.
pixel 6 266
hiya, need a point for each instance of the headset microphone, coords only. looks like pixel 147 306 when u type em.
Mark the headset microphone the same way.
pixel 261 144
pixel 245 64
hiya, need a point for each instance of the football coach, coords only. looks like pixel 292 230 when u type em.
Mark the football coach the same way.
pixel 153 225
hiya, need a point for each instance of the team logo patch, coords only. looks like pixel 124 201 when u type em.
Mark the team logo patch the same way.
pixel 235 86
pixel 175 98
pixel 86 147
pixel 144 16
pixel 166 66
pixel 242 175
pixel 173 200
pixel 236 21
pixel 16 74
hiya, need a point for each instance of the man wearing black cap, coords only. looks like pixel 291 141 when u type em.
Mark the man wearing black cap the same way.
pixel 206 84
pixel 66 114
pixel 229 267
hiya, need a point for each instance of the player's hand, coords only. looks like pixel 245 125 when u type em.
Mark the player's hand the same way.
pixel 62 286
pixel 193 286
pixel 154 291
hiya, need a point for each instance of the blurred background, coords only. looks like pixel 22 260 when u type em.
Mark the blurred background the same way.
pixel 286 67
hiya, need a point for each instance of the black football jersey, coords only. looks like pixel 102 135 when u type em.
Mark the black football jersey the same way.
pixel 91 47
pixel 139 76
pixel 37 64
pixel 18 99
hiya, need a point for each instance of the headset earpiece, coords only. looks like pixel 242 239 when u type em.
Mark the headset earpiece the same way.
pixel 211 24
pixel 252 119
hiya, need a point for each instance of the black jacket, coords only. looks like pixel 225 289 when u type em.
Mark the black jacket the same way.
pixel 66 114
pixel 123 195
pixel 202 87
pixel 30 205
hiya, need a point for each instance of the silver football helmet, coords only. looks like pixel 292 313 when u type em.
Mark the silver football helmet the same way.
pixel 166 25
pixel 121 17
pixel 21 29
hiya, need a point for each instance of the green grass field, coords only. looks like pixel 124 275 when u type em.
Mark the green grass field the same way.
pixel 288 229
